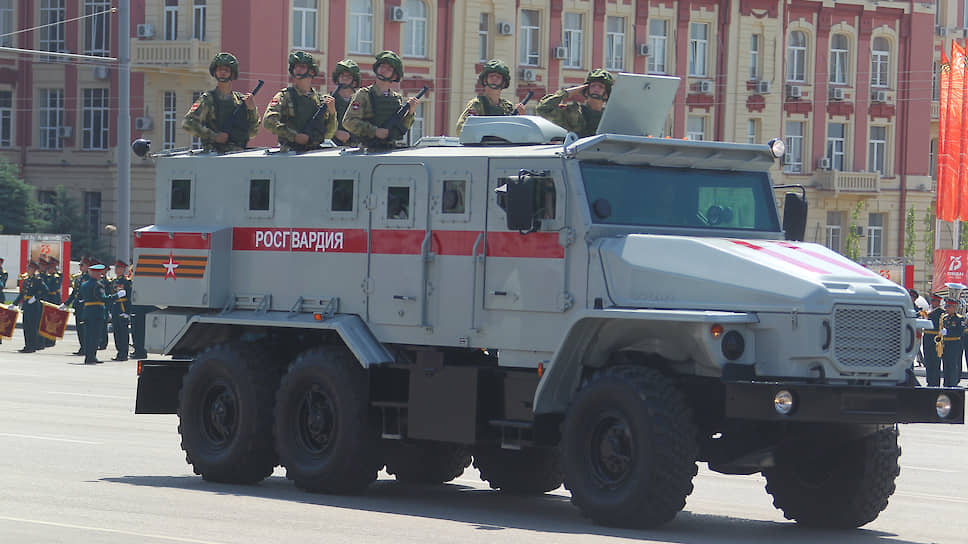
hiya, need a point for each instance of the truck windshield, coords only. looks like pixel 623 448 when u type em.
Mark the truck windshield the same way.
pixel 679 197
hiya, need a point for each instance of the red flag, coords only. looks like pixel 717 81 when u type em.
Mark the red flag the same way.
pixel 8 322
pixel 53 322
pixel 961 187
pixel 942 119
pixel 948 201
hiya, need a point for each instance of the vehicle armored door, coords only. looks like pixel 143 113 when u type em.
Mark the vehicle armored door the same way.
pixel 399 242
pixel 526 271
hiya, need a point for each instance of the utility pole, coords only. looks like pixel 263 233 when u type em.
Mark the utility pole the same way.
pixel 124 131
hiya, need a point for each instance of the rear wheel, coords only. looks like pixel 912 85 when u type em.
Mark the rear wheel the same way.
pixel 530 471
pixel 629 448
pixel 323 431
pixel 426 462
pixel 225 415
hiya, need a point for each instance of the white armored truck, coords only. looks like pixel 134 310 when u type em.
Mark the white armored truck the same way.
pixel 604 313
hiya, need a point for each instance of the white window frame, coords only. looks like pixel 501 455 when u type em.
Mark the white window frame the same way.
pixel 875 235
pixel 797 57
pixel 877 149
pixel 698 49
pixel 839 59
pixel 794 139
pixel 97 28
pixel 756 41
pixel 6 23
pixel 50 118
pixel 834 231
pixel 417 128
pixel 837 146
pixel 415 29
pixel 696 128
pixel 199 24
pixel 752 131
pixel 169 119
pixel 529 53
pixel 484 37
pixel 171 20
pixel 304 17
pixel 6 118
pixel 614 43
pixel 881 63
pixel 572 25
pixel 658 43
pixel 360 32
pixel 95 118
pixel 52 34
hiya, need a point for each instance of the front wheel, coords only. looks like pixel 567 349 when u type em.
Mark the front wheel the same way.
pixel 629 448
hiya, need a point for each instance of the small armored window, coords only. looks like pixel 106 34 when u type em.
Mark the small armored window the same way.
pixel 398 202
pixel 342 195
pixel 258 195
pixel 452 199
pixel 181 194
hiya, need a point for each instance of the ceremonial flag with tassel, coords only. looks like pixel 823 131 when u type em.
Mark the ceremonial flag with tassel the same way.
pixel 942 128
pixel 949 191
pixel 53 321
pixel 8 322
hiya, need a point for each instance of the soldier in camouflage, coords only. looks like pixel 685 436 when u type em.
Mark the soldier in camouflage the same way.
pixel 218 116
pixel 495 77
pixel 299 115
pixel 346 77
pixel 582 119
pixel 374 106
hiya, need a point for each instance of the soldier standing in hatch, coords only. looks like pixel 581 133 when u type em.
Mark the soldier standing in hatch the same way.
pixel 299 115
pixel 346 77
pixel 212 117
pixel 932 362
pixel 952 329
pixel 373 106
pixel 495 77
pixel 582 119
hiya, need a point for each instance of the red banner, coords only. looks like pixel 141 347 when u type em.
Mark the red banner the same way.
pixel 8 322
pixel 950 194
pixel 950 266
pixel 53 322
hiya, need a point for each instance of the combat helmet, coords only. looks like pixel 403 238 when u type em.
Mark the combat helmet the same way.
pixel 349 66
pixel 302 57
pixel 225 59
pixel 602 76
pixel 495 66
pixel 391 58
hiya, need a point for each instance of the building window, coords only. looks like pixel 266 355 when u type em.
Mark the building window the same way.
pixel 834 230
pixel 839 51
pixel 752 131
pixel 304 24
pixel 6 23
pixel 199 11
pixel 797 57
pixel 875 235
pixel 658 40
pixel 6 118
pixel 415 29
pixel 836 145
pixel 361 26
pixel 171 20
pixel 196 141
pixel 571 37
pixel 793 158
pixel 936 82
pixel 484 37
pixel 756 41
pixel 615 43
pixel 169 120
pixel 877 154
pixel 417 128
pixel 51 118
pixel 880 62
pixel 48 204
pixel 933 158
pixel 97 27
pixel 92 212
pixel 530 38
pixel 52 15
pixel 94 132
pixel 698 48
pixel 696 128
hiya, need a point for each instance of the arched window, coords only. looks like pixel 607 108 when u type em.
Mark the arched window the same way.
pixel 797 56
pixel 361 26
pixel 415 29
pixel 839 58
pixel 880 62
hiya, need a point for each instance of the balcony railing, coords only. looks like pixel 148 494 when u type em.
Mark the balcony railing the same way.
pixel 192 56
pixel 849 182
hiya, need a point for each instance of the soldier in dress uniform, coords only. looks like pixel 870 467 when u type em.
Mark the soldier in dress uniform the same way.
pixel 75 301
pixel 3 282
pixel 95 297
pixel 952 329
pixel 374 106
pixel 120 310
pixel 932 362
pixel 224 119
pixel 582 119
pixel 495 77
pixel 346 77
pixel 299 115
pixel 32 289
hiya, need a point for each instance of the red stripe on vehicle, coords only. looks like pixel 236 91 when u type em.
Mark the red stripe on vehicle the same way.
pixel 176 240
pixel 299 240
pixel 781 257
pixel 512 244
pixel 828 259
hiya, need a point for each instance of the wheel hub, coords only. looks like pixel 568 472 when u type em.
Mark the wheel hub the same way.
pixel 612 450
pixel 220 415
pixel 316 421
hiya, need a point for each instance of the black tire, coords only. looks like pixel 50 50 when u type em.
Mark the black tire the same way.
pixel 323 431
pixel 629 448
pixel 225 414
pixel 845 487
pixel 426 462
pixel 531 471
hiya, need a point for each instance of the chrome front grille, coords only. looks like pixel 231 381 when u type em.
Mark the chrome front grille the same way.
pixel 866 337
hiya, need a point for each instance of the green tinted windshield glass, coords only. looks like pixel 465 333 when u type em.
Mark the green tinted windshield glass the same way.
pixel 673 197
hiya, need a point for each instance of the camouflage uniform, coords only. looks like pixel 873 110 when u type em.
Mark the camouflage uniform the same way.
pixel 483 106
pixel 211 113
pixel 290 113
pixel 370 110
pixel 342 104
pixel 574 117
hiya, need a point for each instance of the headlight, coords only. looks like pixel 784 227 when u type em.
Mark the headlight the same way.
pixel 733 345
pixel 943 405
pixel 783 402
pixel 777 147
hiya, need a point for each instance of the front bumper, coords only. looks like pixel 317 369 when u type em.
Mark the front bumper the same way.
pixel 843 403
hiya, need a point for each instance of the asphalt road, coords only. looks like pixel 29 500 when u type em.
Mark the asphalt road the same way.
pixel 79 466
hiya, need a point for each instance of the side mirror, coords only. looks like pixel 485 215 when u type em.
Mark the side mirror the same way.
pixel 795 216
pixel 518 204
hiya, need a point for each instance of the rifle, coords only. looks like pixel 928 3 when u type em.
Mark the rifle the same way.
pixel 525 101
pixel 234 118
pixel 396 120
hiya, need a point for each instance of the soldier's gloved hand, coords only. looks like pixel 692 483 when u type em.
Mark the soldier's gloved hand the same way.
pixel 13 307
pixel 944 332
pixel 121 293
pixel 62 307
pixel 126 316
pixel 31 300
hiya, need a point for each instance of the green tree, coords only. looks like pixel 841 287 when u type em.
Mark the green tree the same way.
pixel 852 243
pixel 929 224
pixel 18 209
pixel 910 243
pixel 65 218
